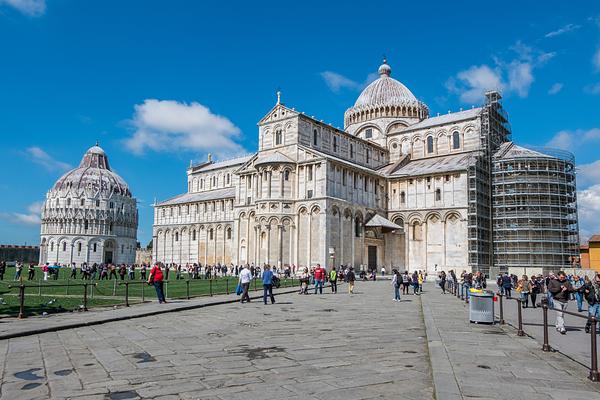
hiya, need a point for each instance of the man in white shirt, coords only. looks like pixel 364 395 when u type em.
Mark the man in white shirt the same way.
pixel 245 278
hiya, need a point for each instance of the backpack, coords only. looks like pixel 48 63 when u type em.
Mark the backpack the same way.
pixel 276 281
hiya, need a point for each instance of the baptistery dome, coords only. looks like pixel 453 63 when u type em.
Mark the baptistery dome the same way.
pixel 89 216
pixel 381 101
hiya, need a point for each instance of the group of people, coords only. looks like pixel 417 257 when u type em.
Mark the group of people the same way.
pixel 405 281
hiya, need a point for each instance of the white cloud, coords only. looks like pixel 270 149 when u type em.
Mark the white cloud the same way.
pixel 592 89
pixel 40 157
pixel 472 83
pixel 336 82
pixel 565 29
pixel 571 140
pixel 171 126
pixel 555 88
pixel 588 174
pixel 513 76
pixel 588 206
pixel 31 217
pixel 596 59
pixel 33 8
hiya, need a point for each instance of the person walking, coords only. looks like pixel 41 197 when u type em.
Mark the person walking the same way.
pixel 45 271
pixel 319 278
pixel 333 280
pixel 132 272
pixel 523 290
pixel 506 285
pixel 415 282
pixel 396 279
pixel 267 278
pixel 443 282
pixel 535 288
pixel 578 282
pixel 350 278
pixel 244 280
pixel 304 278
pixel 561 290
pixel 73 271
pixel 156 279
pixel 591 291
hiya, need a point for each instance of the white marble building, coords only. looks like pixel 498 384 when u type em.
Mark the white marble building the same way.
pixel 395 188
pixel 89 216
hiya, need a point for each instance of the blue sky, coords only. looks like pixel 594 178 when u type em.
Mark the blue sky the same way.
pixel 161 82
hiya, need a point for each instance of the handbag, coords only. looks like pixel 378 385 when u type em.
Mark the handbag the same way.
pixel 238 289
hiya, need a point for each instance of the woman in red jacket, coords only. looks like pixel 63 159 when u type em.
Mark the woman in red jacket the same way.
pixel 156 279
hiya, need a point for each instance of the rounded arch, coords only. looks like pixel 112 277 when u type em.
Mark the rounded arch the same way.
pixel 414 217
pixel 273 221
pixel 302 209
pixel 432 214
pixel 315 209
pixel 347 213
pixel 452 216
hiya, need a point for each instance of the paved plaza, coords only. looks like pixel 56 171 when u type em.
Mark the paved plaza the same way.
pixel 361 346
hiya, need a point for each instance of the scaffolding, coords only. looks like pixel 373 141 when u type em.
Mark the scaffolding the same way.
pixel 534 209
pixel 495 130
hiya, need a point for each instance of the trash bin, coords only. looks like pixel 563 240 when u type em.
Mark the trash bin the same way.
pixel 481 307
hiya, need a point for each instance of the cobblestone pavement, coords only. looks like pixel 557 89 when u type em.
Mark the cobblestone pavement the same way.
pixel 342 346
pixel 492 362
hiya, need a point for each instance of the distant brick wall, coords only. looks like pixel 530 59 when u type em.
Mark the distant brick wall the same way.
pixel 26 254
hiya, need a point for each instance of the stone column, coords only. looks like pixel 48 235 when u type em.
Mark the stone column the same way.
pixel 268 255
pixel 280 245
pixel 269 188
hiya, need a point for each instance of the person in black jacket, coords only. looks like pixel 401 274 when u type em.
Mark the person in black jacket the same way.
pixel 561 292
pixel 591 292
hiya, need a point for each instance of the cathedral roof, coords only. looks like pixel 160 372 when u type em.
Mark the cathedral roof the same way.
pixel 433 165
pixel 211 166
pixel 379 221
pixel 446 119
pixel 273 158
pixel 217 194
pixel 93 175
pixel 385 91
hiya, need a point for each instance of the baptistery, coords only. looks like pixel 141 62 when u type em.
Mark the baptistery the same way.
pixel 89 216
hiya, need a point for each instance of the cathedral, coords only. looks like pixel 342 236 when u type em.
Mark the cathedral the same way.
pixel 396 188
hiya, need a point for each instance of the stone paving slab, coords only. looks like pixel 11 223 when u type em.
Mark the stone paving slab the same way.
pixel 322 347
pixel 492 362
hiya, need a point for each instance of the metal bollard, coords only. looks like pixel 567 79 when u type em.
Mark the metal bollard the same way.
pixel 546 345
pixel 594 374
pixel 500 297
pixel 187 288
pixel 126 294
pixel 520 317
pixel 210 287
pixel 22 301
pixel 85 285
pixel 227 285
pixel 143 298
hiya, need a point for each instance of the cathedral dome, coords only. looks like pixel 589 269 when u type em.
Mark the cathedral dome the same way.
pixel 385 98
pixel 94 176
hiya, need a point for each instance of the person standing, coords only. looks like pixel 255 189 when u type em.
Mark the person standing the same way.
pixel 143 272
pixel 122 271
pixel 156 279
pixel 244 280
pixel 523 289
pixel 113 272
pixel 405 282
pixel 350 278
pixel 535 288
pixel 167 268
pixel 45 271
pixel 2 270
pixel 421 279
pixel 333 280
pixel 443 282
pixel 132 272
pixel 506 285
pixel 31 272
pixel 304 278
pixel 319 278
pixel 18 271
pixel 578 283
pixel 267 278
pixel 591 291
pixel 561 290
pixel 396 284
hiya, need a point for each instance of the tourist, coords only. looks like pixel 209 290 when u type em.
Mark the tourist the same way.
pixel 18 270
pixel 122 271
pixel 30 272
pixel 396 284
pixel 93 271
pixel 382 271
pixel 561 289
pixel 592 295
pixel 244 280
pixel 333 280
pixel 479 281
pixel 405 282
pixel 167 268
pixel 156 279
pixel 73 271
pixel 319 278
pixel 304 278
pixel 535 288
pixel 443 281
pixel 143 272
pixel 415 282
pixel 421 279
pixel 103 272
pixel 506 285
pixel 350 278
pixel 112 271
pixel 45 271
pixel 523 290
pixel 578 282
pixel 178 272
pixel 2 270
pixel 267 279
pixel 131 272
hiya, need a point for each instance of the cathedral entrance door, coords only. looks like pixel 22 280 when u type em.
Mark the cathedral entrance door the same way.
pixel 108 257
pixel 372 257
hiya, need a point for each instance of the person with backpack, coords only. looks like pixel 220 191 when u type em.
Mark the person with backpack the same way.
pixel 405 282
pixel 506 285
pixel 396 281
pixel 561 290
pixel 156 279
pixel 350 278
pixel 267 278
pixel 591 291
pixel 333 280
pixel 535 288
pixel 415 282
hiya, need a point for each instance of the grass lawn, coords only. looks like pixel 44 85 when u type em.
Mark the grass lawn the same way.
pixel 106 292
